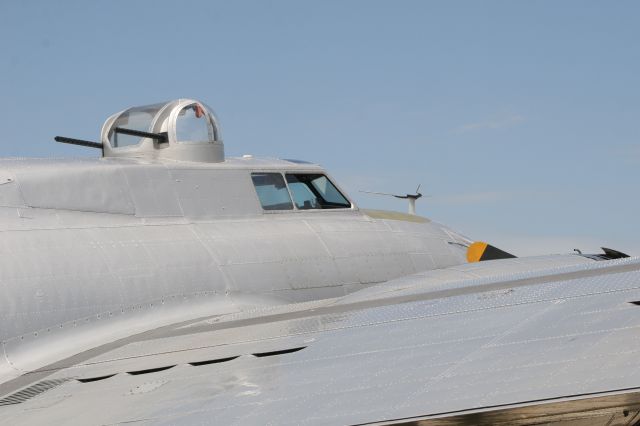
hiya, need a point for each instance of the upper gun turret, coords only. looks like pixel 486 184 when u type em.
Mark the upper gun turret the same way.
pixel 183 129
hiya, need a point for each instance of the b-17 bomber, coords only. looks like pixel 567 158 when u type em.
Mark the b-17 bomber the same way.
pixel 165 283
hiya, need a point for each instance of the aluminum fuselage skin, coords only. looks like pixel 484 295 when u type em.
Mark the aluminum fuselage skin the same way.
pixel 98 249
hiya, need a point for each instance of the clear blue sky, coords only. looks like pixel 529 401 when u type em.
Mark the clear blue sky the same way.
pixel 521 119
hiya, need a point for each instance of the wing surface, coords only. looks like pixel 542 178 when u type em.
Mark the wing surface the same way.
pixel 522 345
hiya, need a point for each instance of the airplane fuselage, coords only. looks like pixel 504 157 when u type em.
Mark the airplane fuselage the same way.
pixel 104 247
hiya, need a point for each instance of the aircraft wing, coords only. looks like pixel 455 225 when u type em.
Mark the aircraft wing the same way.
pixel 531 343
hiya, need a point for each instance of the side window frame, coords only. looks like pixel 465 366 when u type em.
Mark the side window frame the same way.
pixel 286 187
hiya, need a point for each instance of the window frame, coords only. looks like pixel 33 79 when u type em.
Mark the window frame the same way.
pixel 271 172
pixel 315 191
pixel 295 209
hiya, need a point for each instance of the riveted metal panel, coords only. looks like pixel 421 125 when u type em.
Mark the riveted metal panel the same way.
pixel 99 187
pixel 206 193
pixel 152 191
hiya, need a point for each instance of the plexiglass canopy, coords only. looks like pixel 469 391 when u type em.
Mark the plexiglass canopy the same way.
pixel 183 129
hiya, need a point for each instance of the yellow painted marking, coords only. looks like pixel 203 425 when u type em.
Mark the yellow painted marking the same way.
pixel 475 251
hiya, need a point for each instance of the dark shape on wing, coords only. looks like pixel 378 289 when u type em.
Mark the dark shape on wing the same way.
pixel 281 352
pixel 213 361
pixel 95 379
pixel 150 370
pixel 607 255
pixel 614 254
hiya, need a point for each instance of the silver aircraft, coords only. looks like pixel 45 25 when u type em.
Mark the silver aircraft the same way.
pixel 166 284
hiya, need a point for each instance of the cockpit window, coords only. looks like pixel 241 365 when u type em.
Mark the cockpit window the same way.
pixel 272 191
pixel 315 191
pixel 193 125
pixel 138 118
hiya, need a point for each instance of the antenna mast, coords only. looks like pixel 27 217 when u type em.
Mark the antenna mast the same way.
pixel 410 197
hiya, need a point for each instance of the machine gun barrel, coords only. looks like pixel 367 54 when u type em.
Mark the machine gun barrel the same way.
pixel 80 142
pixel 160 137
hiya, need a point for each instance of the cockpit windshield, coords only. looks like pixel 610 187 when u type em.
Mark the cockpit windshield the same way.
pixel 310 191
pixel 315 191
